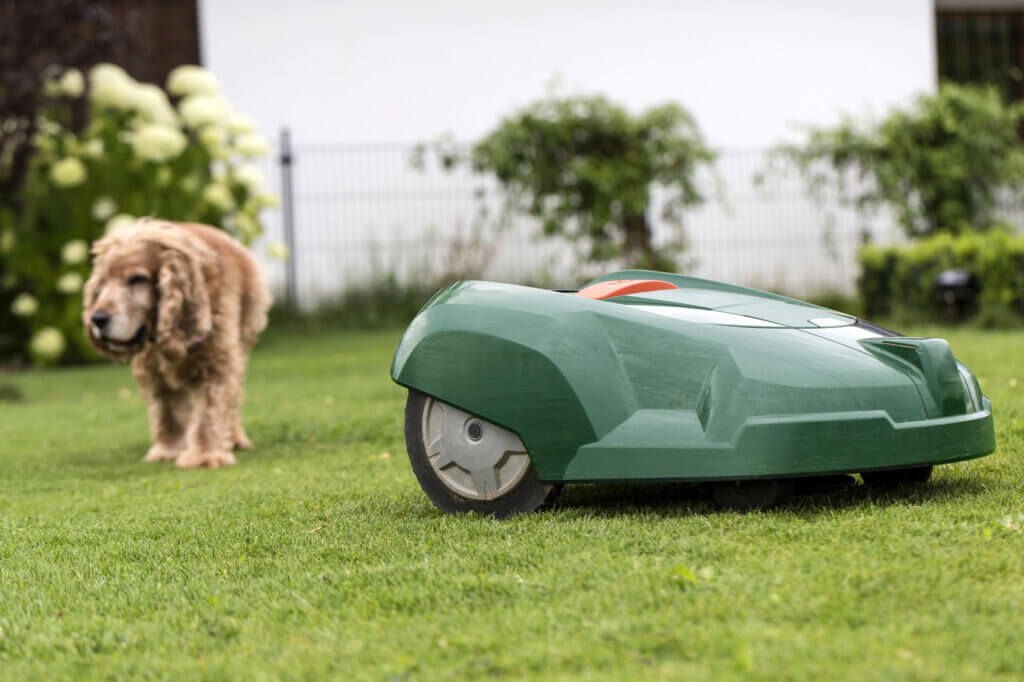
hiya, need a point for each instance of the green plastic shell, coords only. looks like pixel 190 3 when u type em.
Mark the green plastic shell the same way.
pixel 702 382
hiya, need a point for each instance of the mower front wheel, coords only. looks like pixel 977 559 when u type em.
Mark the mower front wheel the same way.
pixel 467 464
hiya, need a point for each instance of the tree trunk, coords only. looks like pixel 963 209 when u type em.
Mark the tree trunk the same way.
pixel 637 237
pixel 637 247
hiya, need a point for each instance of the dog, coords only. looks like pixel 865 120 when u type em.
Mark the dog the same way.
pixel 184 303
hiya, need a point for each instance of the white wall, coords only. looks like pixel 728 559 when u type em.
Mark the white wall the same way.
pixel 407 70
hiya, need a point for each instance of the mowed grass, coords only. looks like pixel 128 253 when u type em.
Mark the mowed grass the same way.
pixel 318 557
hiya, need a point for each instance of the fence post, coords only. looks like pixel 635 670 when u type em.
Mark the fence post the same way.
pixel 288 213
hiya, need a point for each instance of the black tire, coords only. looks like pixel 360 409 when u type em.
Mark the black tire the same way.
pixel 529 495
pixel 760 493
pixel 894 478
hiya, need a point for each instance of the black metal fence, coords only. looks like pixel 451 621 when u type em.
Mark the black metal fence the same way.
pixel 355 213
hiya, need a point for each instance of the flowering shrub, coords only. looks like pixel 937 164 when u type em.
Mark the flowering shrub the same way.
pixel 139 154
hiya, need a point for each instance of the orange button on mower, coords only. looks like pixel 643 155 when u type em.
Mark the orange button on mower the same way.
pixel 623 287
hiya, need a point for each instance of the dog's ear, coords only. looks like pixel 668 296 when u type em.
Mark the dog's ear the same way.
pixel 89 293
pixel 92 285
pixel 183 316
pixel 91 289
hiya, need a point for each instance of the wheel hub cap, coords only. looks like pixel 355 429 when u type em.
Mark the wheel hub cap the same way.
pixel 474 458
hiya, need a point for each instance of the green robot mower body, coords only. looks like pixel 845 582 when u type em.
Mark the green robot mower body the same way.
pixel 645 376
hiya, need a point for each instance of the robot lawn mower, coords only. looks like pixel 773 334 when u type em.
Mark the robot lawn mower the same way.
pixel 647 376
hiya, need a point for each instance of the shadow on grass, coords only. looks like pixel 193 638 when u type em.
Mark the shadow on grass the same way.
pixel 683 499
pixel 613 499
pixel 9 393
pixel 663 499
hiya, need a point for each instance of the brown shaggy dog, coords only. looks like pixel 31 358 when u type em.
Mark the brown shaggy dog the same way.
pixel 185 303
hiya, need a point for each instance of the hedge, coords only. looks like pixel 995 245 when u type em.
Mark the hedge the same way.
pixel 897 280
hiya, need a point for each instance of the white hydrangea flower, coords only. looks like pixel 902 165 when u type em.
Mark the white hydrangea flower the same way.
pixel 200 110
pixel 93 149
pixel 252 146
pixel 44 143
pixel 213 138
pixel 278 251
pixel 249 176
pixel 46 135
pixel 47 343
pixel 240 124
pixel 164 176
pixel 74 252
pixel 111 86
pixel 24 305
pixel 7 240
pixel 157 142
pixel 119 221
pixel 69 283
pixel 256 203
pixel 189 79
pixel 267 200
pixel 72 83
pixel 47 126
pixel 189 184
pixel 68 172
pixel 248 226
pixel 152 103
pixel 218 196
pixel 103 208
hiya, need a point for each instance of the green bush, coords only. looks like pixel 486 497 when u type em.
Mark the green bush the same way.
pixel 585 168
pixel 136 155
pixel 939 165
pixel 900 280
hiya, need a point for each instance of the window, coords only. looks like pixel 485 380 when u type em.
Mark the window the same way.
pixel 982 47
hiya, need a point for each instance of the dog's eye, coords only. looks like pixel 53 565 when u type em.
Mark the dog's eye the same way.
pixel 137 279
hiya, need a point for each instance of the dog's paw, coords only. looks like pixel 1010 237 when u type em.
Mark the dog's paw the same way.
pixel 191 459
pixel 161 452
pixel 241 441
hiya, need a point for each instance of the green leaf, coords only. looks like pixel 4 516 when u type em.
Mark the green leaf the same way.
pixel 684 575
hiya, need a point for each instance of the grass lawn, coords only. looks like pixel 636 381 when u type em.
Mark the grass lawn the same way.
pixel 319 557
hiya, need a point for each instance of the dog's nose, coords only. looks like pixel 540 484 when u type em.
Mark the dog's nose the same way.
pixel 100 318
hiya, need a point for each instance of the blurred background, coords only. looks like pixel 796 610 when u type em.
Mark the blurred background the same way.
pixel 850 153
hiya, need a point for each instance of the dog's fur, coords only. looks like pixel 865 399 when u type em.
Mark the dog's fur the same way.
pixel 185 304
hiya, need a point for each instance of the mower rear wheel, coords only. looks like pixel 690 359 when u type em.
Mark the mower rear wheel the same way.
pixel 894 478
pixel 466 464
pixel 760 493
